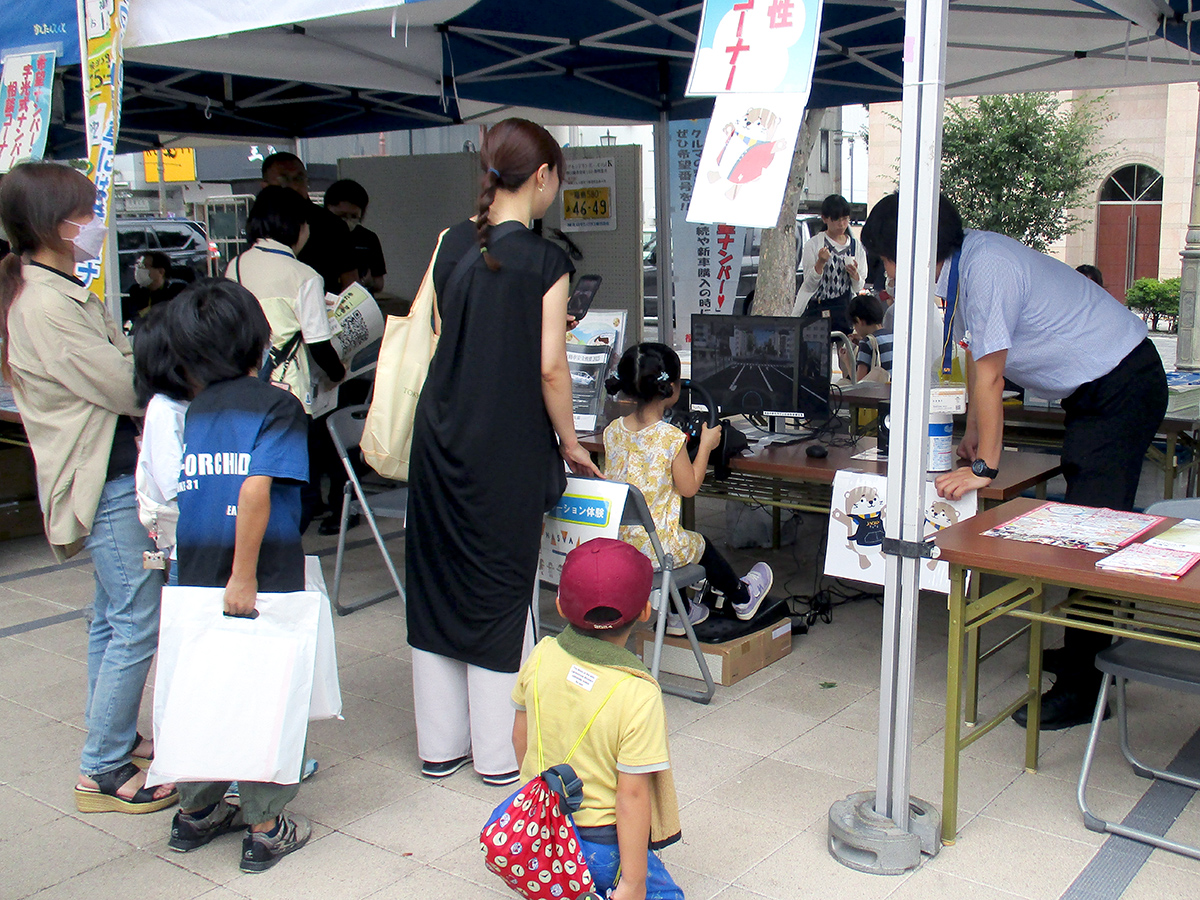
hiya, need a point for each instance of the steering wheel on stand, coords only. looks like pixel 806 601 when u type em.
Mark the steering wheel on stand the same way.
pixel 692 421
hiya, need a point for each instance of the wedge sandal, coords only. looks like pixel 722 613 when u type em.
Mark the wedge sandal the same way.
pixel 104 797
pixel 142 762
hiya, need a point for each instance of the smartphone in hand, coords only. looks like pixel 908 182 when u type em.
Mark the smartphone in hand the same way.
pixel 582 296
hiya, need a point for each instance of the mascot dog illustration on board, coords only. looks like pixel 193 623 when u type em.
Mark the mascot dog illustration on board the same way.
pixel 749 148
pixel 939 515
pixel 863 519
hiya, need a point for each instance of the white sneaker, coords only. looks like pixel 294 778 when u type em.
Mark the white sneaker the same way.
pixel 697 613
pixel 758 582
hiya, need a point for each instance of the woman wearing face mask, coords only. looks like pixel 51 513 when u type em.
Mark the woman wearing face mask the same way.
pixel 71 370
pixel 348 200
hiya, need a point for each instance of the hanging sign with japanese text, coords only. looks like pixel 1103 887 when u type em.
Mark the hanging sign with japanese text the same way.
pixel 101 33
pixel 706 259
pixel 589 508
pixel 26 85
pixel 756 46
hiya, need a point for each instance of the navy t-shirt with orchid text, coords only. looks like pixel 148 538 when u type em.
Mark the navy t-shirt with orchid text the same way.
pixel 235 429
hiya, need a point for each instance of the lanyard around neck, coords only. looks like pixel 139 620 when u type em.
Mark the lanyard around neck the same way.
pixel 952 295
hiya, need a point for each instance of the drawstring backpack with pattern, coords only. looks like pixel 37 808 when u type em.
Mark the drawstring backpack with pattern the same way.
pixel 530 840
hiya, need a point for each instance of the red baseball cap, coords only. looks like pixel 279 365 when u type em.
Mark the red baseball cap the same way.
pixel 605 584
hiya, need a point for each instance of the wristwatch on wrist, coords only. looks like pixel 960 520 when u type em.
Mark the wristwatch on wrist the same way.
pixel 983 470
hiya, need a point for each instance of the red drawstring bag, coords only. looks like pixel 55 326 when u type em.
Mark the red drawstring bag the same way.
pixel 530 840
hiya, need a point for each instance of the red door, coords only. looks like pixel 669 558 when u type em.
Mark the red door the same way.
pixel 1127 241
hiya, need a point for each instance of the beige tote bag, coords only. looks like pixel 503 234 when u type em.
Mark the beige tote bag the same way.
pixel 404 355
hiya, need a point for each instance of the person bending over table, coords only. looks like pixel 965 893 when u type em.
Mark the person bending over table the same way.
pixel 1027 316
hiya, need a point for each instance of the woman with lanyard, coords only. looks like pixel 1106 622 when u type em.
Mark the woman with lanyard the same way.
pixel 292 296
pixel 1027 316
pixel 834 266
pixel 71 370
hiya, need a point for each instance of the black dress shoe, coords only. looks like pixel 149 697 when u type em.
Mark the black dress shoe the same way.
pixel 1062 709
pixel 332 524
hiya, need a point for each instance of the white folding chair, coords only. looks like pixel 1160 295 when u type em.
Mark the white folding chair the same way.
pixel 346 428
pixel 671 581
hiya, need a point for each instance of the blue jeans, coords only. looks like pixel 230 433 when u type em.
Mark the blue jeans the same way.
pixel 604 859
pixel 124 632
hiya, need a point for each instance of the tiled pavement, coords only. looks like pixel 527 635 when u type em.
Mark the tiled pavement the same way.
pixel 756 770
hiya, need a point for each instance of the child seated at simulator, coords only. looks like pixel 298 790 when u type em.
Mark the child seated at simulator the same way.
pixel 584 686
pixel 646 451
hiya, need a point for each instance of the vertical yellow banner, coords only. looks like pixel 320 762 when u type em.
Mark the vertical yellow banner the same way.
pixel 101 34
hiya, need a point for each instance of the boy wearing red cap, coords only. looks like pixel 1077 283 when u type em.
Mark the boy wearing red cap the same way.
pixel 582 695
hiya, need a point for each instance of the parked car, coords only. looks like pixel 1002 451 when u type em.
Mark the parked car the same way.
pixel 183 240
pixel 805 228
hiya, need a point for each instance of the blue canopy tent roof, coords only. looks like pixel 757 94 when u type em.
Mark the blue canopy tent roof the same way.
pixel 439 62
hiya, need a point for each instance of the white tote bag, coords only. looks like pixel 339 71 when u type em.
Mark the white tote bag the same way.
pixel 232 695
pixel 327 690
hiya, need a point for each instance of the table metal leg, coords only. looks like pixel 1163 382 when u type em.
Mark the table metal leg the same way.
pixel 1169 467
pixel 1032 731
pixel 954 702
pixel 971 703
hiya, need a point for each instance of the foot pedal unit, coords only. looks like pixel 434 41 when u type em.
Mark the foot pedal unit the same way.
pixel 862 839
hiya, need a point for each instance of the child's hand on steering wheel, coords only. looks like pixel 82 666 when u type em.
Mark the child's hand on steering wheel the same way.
pixel 710 436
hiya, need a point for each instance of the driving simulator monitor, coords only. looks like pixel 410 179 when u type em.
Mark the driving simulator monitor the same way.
pixel 763 365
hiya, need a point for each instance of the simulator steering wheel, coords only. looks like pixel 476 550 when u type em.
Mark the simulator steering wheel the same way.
pixel 692 421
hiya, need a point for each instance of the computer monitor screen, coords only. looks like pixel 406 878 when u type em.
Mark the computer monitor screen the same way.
pixel 763 365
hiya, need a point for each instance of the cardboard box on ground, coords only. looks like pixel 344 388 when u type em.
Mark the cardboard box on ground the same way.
pixel 729 662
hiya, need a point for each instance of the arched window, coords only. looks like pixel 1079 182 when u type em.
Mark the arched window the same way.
pixel 1129 227
pixel 1133 184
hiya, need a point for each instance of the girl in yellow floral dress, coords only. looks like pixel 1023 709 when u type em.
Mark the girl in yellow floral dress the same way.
pixel 646 451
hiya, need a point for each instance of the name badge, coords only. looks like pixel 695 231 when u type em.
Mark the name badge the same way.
pixel 581 677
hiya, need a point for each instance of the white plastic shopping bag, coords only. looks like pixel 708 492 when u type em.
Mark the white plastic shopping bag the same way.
pixel 327 690
pixel 232 695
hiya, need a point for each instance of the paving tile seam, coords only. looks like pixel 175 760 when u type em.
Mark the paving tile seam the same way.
pixel 44 570
pixel 44 622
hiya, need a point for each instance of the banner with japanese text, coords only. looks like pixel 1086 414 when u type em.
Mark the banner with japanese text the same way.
pixel 705 259
pixel 755 46
pixel 589 508
pixel 26 86
pixel 101 31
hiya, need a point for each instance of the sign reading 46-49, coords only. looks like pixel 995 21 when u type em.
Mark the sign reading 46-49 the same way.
pixel 589 195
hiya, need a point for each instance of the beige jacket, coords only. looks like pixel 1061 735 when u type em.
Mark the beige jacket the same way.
pixel 72 376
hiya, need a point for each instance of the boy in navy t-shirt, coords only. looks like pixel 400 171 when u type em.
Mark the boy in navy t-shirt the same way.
pixel 245 457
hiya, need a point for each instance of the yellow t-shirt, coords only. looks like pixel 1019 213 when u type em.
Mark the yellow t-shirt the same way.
pixel 629 735
pixel 644 458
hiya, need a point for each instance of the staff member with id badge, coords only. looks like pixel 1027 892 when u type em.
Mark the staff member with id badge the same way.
pixel 1029 317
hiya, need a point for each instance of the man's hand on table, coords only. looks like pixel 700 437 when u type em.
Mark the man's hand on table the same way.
pixel 953 485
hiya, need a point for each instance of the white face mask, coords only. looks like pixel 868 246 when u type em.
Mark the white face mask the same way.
pixel 142 276
pixel 90 239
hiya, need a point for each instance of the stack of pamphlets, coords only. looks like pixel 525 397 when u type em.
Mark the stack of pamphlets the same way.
pixel 1076 527
pixel 1183 395
pixel 1168 555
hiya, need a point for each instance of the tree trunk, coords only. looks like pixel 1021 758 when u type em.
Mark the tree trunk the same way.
pixel 775 293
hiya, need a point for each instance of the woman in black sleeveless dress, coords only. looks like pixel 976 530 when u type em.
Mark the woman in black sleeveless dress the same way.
pixel 493 426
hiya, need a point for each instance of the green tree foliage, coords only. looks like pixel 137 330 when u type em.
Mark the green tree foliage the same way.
pixel 1155 300
pixel 1017 164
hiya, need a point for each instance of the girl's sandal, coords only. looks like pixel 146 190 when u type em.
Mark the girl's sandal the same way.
pixel 104 797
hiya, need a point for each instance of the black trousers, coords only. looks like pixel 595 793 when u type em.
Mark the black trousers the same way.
pixel 721 576
pixel 1110 423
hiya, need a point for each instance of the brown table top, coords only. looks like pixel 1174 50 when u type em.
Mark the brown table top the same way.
pixel 869 395
pixel 1019 469
pixel 963 544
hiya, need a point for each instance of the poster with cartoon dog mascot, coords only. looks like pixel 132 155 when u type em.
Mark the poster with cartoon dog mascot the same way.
pixel 858 514
pixel 744 166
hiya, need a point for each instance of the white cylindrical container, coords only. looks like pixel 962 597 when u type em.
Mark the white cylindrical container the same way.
pixel 941 442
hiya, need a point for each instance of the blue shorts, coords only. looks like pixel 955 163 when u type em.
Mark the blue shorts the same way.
pixel 604 859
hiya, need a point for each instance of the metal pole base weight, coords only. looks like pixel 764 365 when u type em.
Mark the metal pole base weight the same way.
pixel 862 839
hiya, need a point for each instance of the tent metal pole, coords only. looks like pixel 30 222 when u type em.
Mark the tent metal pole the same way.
pixel 662 227
pixel 891 837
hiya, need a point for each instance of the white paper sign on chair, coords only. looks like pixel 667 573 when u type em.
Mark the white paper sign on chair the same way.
pixel 589 508
pixel 856 527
